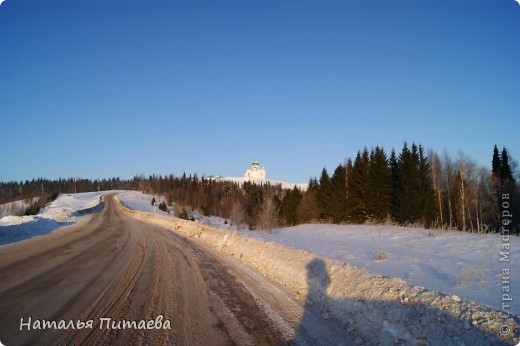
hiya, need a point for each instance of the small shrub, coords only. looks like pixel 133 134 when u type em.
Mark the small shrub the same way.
pixel 381 256
pixel 163 207
pixel 183 215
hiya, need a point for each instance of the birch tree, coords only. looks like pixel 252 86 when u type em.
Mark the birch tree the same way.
pixel 437 185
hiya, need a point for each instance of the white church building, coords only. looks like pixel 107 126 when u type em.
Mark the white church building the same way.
pixel 255 172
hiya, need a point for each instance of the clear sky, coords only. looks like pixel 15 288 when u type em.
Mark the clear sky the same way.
pixel 96 89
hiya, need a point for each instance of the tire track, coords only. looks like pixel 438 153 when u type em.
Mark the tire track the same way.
pixel 126 269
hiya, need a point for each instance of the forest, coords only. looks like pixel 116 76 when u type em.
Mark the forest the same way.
pixel 409 188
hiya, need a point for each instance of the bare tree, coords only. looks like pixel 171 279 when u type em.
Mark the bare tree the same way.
pixel 483 193
pixel 462 195
pixel 238 213
pixel 450 177
pixel 467 187
pixel 436 165
pixel 268 214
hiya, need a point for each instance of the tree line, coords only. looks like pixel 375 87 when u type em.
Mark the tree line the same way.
pixel 417 189
pixel 410 187
pixel 255 205
pixel 13 190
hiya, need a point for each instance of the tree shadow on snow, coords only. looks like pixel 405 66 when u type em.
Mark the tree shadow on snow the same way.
pixel 378 322
pixel 92 210
pixel 39 226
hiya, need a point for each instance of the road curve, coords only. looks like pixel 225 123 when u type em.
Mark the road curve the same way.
pixel 114 266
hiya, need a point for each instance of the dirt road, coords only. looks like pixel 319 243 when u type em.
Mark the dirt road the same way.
pixel 112 266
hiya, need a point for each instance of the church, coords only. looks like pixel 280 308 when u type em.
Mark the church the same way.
pixel 255 172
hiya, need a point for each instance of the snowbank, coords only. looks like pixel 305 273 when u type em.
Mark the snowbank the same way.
pixel 63 211
pixel 376 309
pixel 455 263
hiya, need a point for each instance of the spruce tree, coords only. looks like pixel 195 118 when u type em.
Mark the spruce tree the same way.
pixel 496 178
pixel 408 190
pixel 338 184
pixel 308 209
pixel 496 163
pixel 426 189
pixel 379 185
pixel 506 176
pixel 509 187
pixel 348 183
pixel 394 170
pixel 289 206
pixel 324 196
pixel 357 188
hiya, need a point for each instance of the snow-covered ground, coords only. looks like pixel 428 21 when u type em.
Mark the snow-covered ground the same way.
pixel 15 208
pixel 463 264
pixel 63 211
pixel 138 201
pixel 285 185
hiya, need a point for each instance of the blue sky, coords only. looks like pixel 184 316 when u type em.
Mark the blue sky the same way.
pixel 93 88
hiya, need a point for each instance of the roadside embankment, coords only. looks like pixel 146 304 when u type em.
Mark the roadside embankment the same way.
pixel 63 211
pixel 380 310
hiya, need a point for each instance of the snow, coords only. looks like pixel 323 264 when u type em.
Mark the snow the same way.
pixel 374 309
pixel 455 263
pixel 138 201
pixel 319 264
pixel 63 211
pixel 285 185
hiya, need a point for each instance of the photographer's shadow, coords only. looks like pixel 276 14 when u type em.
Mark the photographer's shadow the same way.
pixel 377 321
pixel 315 327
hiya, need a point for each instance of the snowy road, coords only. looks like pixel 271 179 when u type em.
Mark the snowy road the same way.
pixel 132 272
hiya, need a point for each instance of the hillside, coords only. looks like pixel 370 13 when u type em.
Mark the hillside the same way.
pixel 284 184
pixel 459 263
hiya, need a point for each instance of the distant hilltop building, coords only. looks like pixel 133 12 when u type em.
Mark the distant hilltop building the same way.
pixel 255 172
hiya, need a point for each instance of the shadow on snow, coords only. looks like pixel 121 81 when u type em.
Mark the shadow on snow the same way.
pixel 39 226
pixel 378 322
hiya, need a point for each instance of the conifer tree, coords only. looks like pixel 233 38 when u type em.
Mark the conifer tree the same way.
pixel 506 175
pixel 394 170
pixel 324 195
pixel 509 187
pixel 379 186
pixel 408 189
pixel 348 183
pixel 496 163
pixel 426 189
pixel 357 188
pixel 308 209
pixel 289 206
pixel 338 184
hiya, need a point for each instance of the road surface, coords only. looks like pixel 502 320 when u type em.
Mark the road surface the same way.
pixel 112 271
